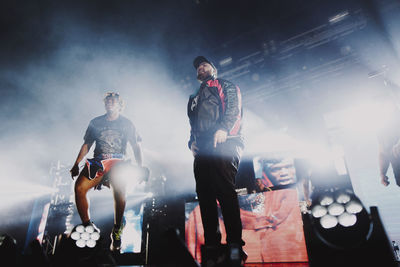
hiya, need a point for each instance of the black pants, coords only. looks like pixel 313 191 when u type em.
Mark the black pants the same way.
pixel 215 171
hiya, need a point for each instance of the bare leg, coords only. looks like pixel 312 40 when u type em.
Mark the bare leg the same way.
pixel 119 190
pixel 82 186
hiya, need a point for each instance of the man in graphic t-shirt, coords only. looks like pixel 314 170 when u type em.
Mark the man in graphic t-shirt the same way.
pixel 110 132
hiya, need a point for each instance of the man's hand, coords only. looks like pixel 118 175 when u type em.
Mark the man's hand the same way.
pixel 220 137
pixel 385 180
pixel 74 171
pixel 194 149
pixel 144 174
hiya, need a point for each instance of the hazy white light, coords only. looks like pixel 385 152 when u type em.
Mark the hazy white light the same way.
pixel 80 229
pixel 328 221
pixel 347 219
pixel 343 198
pixel 225 61
pixel 91 243
pixel 359 118
pixel 354 207
pixel 80 243
pixel 326 200
pixel 75 235
pixel 130 175
pixel 338 17
pixel 150 194
pixel 95 236
pixel 85 236
pixel 335 209
pixel 12 193
pixel 318 211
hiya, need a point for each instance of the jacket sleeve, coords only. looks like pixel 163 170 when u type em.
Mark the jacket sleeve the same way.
pixel 191 140
pixel 231 119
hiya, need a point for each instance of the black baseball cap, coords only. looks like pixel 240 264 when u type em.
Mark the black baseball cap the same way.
pixel 200 59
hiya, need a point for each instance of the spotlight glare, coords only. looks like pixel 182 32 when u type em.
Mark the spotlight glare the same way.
pixel 80 229
pixel 335 209
pixel 326 200
pixel 95 236
pixel 85 236
pixel 318 211
pixel 91 243
pixel 353 207
pixel 75 236
pixel 80 243
pixel 343 198
pixel 328 221
pixel 347 219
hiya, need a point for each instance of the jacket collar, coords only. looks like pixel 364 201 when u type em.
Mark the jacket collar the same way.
pixel 208 79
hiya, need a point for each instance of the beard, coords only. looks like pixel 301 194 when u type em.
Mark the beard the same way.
pixel 203 76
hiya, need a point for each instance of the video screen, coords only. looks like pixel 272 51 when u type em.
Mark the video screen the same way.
pixel 272 227
pixel 273 172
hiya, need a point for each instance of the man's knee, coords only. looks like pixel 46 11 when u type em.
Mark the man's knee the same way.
pixel 82 186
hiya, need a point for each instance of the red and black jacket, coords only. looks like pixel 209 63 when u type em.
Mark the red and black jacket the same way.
pixel 216 105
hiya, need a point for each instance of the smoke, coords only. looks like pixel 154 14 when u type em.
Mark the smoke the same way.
pixel 50 99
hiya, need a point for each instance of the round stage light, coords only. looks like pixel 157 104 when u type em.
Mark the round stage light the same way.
pixel 354 207
pixel 91 243
pixel 328 221
pixel 80 229
pixel 75 236
pixel 95 236
pixel 318 211
pixel 80 243
pixel 90 229
pixel 85 236
pixel 335 209
pixel 326 200
pixel 347 219
pixel 343 198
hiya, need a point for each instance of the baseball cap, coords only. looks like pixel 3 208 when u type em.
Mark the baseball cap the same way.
pixel 200 59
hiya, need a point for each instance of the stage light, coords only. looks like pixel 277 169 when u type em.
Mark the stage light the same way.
pixel 354 207
pixel 335 209
pixel 328 221
pixel 85 236
pixel 318 211
pixel 343 198
pixel 326 200
pixel 347 234
pixel 347 219
pixel 344 216
pixel 336 206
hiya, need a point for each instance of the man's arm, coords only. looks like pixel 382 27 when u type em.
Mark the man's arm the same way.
pixel 233 106
pixel 137 151
pixel 383 166
pixel 230 122
pixel 82 153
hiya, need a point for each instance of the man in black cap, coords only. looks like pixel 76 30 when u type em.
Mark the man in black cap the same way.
pixel 215 115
